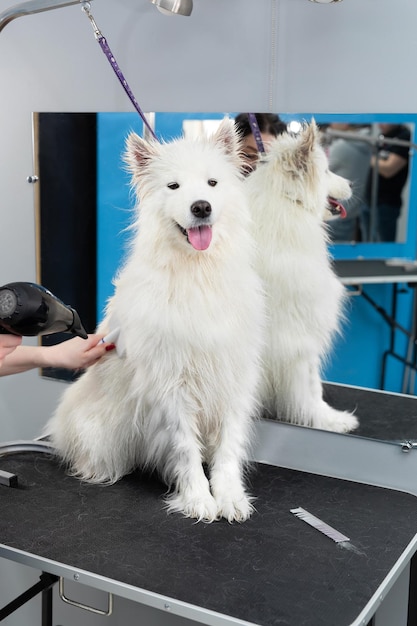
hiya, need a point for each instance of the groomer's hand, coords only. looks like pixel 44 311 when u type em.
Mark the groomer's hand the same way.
pixel 77 353
pixel 73 354
pixel 8 343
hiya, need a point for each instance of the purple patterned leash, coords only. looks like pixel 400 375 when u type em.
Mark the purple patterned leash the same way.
pixel 110 57
pixel 256 133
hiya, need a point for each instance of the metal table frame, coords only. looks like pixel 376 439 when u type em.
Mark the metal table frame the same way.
pixel 357 273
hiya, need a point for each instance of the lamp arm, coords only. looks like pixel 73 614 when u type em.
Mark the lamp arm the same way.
pixel 30 7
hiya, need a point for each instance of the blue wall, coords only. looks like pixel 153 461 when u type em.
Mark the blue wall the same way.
pixel 114 199
pixel 357 355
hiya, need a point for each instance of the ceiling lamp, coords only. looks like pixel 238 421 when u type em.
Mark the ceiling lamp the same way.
pixel 176 7
pixel 325 1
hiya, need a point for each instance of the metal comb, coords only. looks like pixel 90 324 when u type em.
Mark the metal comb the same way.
pixel 317 523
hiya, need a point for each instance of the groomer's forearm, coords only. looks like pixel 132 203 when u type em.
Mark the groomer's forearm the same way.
pixel 390 166
pixel 24 358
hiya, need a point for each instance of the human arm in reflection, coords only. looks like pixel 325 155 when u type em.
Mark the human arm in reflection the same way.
pixel 392 162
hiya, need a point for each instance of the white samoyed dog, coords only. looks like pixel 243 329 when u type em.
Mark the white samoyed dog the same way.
pixel 289 194
pixel 191 310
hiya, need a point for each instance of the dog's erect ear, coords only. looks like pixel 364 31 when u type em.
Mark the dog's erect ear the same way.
pixel 139 152
pixel 308 138
pixel 227 138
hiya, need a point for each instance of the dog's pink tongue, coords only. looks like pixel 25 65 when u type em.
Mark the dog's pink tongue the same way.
pixel 337 208
pixel 342 211
pixel 200 237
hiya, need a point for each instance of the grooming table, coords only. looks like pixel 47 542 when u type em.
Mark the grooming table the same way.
pixel 273 569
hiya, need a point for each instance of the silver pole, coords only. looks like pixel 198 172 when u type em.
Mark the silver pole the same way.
pixel 30 7
pixel 373 140
pixel 146 132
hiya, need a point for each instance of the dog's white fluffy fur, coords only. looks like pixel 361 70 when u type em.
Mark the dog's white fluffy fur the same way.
pixel 288 195
pixel 192 318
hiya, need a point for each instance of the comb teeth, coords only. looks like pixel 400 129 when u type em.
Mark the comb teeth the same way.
pixel 317 523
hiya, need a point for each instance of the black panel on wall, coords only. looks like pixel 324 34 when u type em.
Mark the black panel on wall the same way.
pixel 66 165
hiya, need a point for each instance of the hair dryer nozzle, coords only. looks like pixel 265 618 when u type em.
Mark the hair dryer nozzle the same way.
pixel 77 328
pixel 29 309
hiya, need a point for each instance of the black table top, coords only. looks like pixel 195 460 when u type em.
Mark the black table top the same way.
pixel 384 416
pixel 273 569
pixel 357 271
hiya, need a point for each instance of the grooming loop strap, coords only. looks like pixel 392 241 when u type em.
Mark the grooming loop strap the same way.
pixel 256 133
pixel 110 57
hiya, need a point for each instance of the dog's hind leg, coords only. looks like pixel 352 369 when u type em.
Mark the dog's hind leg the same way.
pixel 300 399
pixel 321 414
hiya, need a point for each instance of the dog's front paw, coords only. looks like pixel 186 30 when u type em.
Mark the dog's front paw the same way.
pixel 201 507
pixel 236 507
pixel 236 511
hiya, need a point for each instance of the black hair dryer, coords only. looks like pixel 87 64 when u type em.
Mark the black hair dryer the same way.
pixel 29 309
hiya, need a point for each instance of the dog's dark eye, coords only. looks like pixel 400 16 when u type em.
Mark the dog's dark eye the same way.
pixel 173 185
pixel 212 182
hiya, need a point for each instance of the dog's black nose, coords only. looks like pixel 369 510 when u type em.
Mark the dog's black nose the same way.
pixel 201 208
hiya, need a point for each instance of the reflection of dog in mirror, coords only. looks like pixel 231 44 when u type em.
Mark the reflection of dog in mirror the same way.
pixel 191 309
pixel 289 194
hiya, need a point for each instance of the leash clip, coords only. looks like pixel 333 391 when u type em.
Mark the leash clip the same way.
pixel 85 7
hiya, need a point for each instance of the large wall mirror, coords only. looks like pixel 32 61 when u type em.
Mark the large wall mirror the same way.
pixel 84 202
pixel 363 137
pixel 90 146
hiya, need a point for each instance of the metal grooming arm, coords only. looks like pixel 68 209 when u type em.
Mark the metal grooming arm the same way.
pixel 31 7
pixel 14 447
